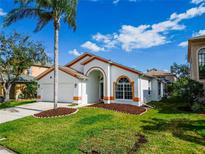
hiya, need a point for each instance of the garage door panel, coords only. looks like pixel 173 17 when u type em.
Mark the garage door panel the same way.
pixel 65 92
pixel 47 92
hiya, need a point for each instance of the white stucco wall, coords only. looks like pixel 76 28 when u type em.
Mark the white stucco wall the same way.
pixel 144 92
pixel 77 66
pixel 155 93
pixel 92 88
pixel 83 94
pixel 117 72
pixel 66 87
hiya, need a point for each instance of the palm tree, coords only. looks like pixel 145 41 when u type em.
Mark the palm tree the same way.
pixel 46 11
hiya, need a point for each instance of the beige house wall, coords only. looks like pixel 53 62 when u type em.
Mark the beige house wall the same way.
pixel 36 70
pixel 194 48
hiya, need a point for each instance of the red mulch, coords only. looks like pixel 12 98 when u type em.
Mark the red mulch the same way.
pixel 61 111
pixel 202 114
pixel 125 108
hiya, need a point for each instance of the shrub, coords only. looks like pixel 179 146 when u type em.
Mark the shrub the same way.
pixel 30 91
pixel 198 107
pixel 187 89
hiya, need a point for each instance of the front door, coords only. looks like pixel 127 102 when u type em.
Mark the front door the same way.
pixel 101 90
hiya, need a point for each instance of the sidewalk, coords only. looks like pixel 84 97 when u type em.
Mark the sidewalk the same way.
pixel 4 150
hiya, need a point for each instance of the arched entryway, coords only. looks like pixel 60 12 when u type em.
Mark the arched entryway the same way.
pixel 95 87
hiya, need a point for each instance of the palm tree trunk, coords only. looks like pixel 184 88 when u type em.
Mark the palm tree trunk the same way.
pixel 56 37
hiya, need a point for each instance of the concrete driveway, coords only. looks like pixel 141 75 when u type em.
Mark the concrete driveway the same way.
pixel 9 114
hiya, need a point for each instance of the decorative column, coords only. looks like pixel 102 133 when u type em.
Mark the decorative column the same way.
pixel 107 96
pixel 77 93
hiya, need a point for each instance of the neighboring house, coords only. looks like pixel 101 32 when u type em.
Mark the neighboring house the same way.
pixel 166 76
pixel 196 58
pixel 28 76
pixel 90 79
pixel 36 70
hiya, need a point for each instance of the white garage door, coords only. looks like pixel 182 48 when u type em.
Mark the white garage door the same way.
pixel 65 92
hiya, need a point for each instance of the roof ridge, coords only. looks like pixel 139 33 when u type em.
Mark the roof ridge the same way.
pixel 110 61
pixel 62 68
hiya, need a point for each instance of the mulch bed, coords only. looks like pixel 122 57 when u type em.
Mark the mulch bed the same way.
pixel 61 111
pixel 125 108
pixel 202 114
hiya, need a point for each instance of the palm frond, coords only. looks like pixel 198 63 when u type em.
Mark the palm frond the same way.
pixel 44 19
pixel 70 14
pixel 19 13
pixel 44 11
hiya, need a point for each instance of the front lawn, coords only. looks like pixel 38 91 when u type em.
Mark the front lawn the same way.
pixel 161 130
pixel 15 103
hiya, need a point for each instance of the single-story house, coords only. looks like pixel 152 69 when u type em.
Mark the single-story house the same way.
pixel 90 79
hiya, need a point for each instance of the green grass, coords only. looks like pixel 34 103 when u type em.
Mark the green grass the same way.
pixel 72 104
pixel 15 103
pixel 97 130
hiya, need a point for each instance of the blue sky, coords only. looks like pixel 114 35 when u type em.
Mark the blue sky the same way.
pixel 138 33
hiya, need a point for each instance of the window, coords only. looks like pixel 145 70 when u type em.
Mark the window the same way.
pixel 201 62
pixel 123 89
pixel 149 87
pixel 159 88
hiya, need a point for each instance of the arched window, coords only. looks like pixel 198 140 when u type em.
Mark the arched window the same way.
pixel 201 61
pixel 123 89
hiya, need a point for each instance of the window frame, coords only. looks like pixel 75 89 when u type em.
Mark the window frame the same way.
pixel 201 62
pixel 124 91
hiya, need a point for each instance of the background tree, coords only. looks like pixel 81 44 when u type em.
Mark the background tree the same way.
pixel 188 90
pixel 180 70
pixel 17 54
pixel 46 11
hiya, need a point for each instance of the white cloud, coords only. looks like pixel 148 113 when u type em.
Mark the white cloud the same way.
pixel 92 46
pixel 109 41
pixel 2 13
pixel 75 52
pixel 183 44
pixel 130 37
pixel 201 32
pixel 193 12
pixel 115 1
pixel 197 1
